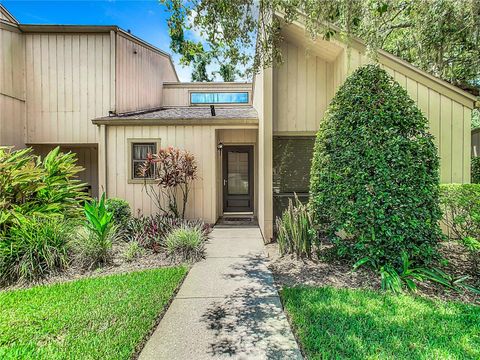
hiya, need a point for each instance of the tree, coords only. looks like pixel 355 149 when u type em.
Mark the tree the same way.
pixel 375 172
pixel 439 36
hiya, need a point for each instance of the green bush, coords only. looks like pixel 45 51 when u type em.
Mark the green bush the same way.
pixel 150 231
pixel 295 232
pixel 186 243
pixel 461 210
pixel 93 242
pixel 375 172
pixel 33 248
pixel 35 186
pixel 120 209
pixel 475 170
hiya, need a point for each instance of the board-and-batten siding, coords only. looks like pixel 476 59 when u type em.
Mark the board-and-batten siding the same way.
pixel 68 79
pixel 200 140
pixel 303 86
pixel 303 89
pixel 12 87
pixel 140 73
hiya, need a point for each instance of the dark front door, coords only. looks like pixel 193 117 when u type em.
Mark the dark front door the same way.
pixel 237 178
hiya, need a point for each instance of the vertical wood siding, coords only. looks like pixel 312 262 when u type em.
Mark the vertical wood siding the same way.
pixel 68 84
pixel 449 120
pixel 140 73
pixel 200 140
pixel 12 122
pixel 303 87
pixel 12 88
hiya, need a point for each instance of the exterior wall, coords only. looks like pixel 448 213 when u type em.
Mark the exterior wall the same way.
pixel 236 137
pixel 178 94
pixel 68 79
pixel 200 140
pixel 303 87
pixel 140 73
pixel 87 157
pixel 12 86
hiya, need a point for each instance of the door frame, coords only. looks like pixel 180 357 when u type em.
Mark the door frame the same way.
pixel 251 179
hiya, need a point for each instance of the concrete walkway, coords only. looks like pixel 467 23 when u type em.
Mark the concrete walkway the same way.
pixel 227 307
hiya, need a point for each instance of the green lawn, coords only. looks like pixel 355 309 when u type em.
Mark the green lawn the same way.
pixel 93 318
pixel 355 324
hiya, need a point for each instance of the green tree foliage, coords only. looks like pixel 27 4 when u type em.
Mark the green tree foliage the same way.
pixel 439 36
pixel 374 177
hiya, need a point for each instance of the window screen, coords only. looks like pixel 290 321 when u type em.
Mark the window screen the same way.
pixel 219 97
pixel 139 155
pixel 292 157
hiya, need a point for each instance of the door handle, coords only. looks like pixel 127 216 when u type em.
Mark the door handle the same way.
pixel 225 181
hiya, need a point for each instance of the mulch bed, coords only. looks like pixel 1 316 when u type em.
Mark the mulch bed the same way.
pixel 289 271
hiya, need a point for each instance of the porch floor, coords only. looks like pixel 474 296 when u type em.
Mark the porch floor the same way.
pixel 227 307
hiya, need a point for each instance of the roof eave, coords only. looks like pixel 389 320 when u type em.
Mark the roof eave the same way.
pixel 360 45
pixel 115 121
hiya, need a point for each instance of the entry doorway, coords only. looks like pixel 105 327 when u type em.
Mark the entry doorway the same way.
pixel 237 178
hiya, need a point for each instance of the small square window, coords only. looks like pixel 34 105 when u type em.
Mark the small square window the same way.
pixel 140 152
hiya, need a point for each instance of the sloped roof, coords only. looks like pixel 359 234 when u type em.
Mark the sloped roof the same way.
pixel 185 116
pixel 6 15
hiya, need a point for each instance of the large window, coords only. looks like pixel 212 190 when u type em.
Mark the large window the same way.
pixel 140 151
pixel 292 157
pixel 218 98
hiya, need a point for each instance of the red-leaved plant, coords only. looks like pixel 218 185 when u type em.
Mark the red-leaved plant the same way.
pixel 173 170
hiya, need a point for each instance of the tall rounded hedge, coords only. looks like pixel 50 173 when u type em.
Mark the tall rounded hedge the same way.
pixel 375 172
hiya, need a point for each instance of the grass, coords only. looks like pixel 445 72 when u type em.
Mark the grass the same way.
pixel 357 324
pixel 94 318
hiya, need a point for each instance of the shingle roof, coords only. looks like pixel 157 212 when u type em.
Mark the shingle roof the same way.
pixel 182 115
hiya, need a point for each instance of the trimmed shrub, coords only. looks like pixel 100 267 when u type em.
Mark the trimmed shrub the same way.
pixel 375 172
pixel 33 248
pixel 120 209
pixel 295 232
pixel 475 170
pixel 186 243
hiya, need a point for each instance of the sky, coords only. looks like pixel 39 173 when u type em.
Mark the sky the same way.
pixel 146 19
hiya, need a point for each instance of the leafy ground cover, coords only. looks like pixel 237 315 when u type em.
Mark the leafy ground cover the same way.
pixel 96 318
pixel 364 324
